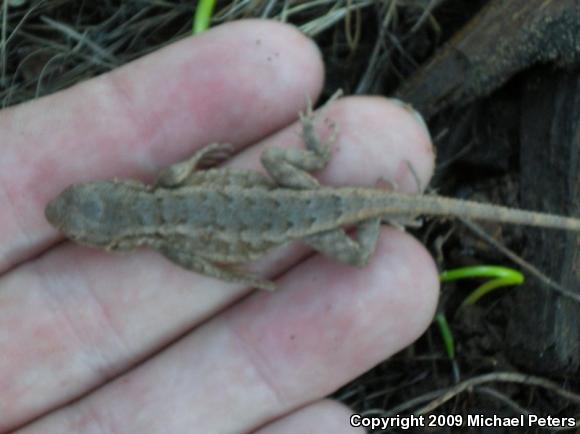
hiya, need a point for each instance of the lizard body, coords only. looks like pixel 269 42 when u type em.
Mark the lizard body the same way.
pixel 211 220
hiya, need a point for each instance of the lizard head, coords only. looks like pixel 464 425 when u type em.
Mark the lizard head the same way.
pixel 82 214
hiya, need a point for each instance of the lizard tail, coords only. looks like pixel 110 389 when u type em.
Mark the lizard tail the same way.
pixel 443 206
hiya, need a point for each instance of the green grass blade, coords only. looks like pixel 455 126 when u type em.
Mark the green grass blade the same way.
pixel 502 277
pixel 446 335
pixel 482 271
pixel 203 14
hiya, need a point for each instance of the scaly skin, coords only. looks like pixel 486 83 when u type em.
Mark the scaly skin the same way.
pixel 209 220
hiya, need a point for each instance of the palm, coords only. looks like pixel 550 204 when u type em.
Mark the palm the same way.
pixel 185 347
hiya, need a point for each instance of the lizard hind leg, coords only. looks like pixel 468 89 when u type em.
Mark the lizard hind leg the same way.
pixel 291 167
pixel 206 267
pixel 336 244
pixel 177 174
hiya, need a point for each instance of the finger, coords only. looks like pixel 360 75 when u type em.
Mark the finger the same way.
pixel 273 352
pixel 324 417
pixel 147 114
pixel 105 312
pixel 378 135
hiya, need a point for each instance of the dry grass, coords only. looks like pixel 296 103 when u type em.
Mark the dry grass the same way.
pixel 50 45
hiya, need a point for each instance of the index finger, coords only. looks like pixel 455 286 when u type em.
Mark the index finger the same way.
pixel 147 114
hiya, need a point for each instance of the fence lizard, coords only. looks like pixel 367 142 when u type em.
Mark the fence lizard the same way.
pixel 211 220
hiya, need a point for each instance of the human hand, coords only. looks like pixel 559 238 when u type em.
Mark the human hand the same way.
pixel 96 342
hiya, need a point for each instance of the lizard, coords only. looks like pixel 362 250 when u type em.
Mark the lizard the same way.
pixel 212 220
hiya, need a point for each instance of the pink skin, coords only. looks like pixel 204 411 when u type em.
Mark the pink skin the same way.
pixel 74 318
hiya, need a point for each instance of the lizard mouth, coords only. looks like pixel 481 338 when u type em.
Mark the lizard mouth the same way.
pixel 52 213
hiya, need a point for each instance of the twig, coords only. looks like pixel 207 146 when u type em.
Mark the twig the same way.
pixel 476 229
pixel 506 377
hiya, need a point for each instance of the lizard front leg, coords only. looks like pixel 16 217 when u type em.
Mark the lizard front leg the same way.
pixel 177 174
pixel 337 245
pixel 201 265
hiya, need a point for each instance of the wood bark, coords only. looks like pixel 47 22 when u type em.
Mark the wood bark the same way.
pixel 506 37
pixel 544 331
